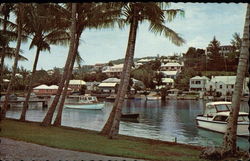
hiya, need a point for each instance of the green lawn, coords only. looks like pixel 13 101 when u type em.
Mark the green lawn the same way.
pixel 91 141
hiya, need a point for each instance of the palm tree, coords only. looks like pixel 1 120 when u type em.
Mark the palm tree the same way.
pixel 40 24
pixel 136 12
pixel 48 118
pixel 90 15
pixel 19 10
pixel 229 144
pixel 5 11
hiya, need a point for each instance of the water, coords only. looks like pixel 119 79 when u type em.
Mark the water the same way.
pixel 158 120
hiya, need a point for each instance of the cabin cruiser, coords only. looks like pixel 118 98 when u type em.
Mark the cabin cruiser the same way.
pixel 216 115
pixel 85 102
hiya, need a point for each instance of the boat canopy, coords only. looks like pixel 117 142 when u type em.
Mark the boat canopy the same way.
pixel 214 107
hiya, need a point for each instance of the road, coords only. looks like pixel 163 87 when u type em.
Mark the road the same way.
pixel 13 150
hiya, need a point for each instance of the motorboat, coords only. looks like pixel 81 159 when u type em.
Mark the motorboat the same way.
pixel 216 115
pixel 85 102
pixel 130 117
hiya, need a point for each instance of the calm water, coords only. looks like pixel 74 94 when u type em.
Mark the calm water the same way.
pixel 158 120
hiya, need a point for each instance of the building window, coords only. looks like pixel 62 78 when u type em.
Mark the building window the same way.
pixel 198 82
pixel 232 86
pixel 220 86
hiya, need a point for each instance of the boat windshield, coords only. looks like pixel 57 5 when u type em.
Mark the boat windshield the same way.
pixel 243 118
pixel 222 107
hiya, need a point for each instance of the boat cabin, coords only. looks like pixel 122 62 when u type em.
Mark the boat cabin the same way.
pixel 214 107
pixel 223 117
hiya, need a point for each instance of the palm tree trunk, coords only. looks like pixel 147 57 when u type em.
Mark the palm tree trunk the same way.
pixel 112 125
pixel 3 53
pixel 229 143
pixel 26 103
pixel 58 119
pixel 48 118
pixel 19 31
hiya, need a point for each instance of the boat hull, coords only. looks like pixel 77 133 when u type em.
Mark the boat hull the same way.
pixel 221 127
pixel 97 106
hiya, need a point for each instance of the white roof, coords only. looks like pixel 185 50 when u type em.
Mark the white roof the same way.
pixel 111 80
pixel 224 79
pixel 169 72
pixel 167 80
pixel 218 103
pixel 6 80
pixel 198 77
pixel 43 86
pixel 117 66
pixel 172 65
pixel 77 82
pixel 107 85
pixel 145 60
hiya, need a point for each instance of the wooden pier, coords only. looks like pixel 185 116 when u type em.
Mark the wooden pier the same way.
pixel 43 101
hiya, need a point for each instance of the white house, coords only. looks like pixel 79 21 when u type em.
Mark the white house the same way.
pixel 224 85
pixel 114 71
pixel 170 74
pixel 47 90
pixel 168 82
pixel 109 85
pixel 198 83
pixel 145 61
pixel 76 85
pixel 171 67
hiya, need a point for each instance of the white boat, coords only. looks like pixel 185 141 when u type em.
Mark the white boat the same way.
pixel 216 115
pixel 85 102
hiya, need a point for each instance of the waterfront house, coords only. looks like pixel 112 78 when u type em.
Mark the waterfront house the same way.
pixel 76 85
pixel 109 85
pixel 92 86
pixel 168 82
pixel 170 74
pixel 198 83
pixel 47 90
pixel 110 88
pixel 224 85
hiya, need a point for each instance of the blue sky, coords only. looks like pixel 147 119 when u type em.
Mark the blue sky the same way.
pixel 201 23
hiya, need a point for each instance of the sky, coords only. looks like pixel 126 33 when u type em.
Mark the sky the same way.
pixel 202 21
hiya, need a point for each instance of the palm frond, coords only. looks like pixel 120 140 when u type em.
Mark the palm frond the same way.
pixel 167 32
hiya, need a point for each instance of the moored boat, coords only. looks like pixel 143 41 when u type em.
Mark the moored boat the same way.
pixel 85 102
pixel 216 115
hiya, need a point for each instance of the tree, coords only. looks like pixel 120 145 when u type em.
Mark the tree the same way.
pixel 19 9
pixel 134 13
pixel 236 42
pixel 90 15
pixel 40 24
pixel 48 118
pixel 214 55
pixel 229 143
pixel 6 8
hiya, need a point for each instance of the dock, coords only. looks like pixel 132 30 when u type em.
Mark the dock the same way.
pixel 43 101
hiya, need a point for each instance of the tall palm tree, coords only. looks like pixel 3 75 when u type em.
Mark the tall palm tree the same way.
pixel 136 12
pixel 229 143
pixel 5 11
pixel 90 15
pixel 19 10
pixel 40 24
pixel 48 118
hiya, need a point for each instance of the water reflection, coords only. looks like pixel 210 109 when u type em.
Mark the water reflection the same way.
pixel 158 120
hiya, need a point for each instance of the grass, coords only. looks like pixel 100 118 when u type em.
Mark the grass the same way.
pixel 91 141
